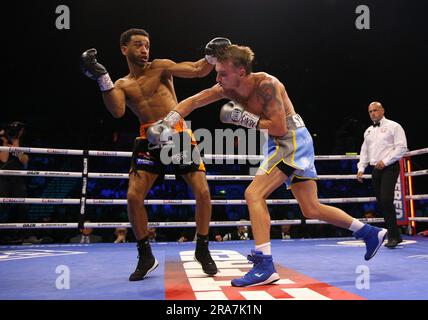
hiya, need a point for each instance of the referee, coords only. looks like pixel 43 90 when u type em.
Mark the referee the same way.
pixel 384 145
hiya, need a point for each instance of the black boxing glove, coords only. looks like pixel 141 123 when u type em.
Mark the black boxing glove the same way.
pixel 94 70
pixel 213 48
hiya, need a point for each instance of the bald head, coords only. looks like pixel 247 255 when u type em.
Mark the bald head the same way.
pixel 375 104
pixel 376 111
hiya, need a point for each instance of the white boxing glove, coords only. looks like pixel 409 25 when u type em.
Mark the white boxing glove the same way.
pixel 234 113
pixel 159 133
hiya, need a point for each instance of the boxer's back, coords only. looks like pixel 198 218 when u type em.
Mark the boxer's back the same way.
pixel 266 87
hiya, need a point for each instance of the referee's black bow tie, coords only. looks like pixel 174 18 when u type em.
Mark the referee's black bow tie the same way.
pixel 376 124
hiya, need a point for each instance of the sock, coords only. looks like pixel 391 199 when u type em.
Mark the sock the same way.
pixel 265 248
pixel 356 225
pixel 202 238
pixel 143 246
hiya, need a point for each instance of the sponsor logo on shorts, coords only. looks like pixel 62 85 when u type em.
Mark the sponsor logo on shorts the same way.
pixel 181 157
pixel 145 161
pixel 145 154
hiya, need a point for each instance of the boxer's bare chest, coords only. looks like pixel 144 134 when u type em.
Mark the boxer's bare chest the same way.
pixel 151 95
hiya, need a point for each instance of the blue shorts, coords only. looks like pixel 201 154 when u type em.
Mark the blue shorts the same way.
pixel 293 154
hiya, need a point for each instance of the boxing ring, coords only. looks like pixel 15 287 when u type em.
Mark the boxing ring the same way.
pixel 310 269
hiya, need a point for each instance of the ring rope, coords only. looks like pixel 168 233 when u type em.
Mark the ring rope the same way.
pixel 172 177
pixel 106 175
pixel 53 201
pixel 416 173
pixel 420 219
pixel 98 153
pixel 106 225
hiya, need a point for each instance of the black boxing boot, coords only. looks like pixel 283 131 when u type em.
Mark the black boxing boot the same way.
pixel 203 256
pixel 146 261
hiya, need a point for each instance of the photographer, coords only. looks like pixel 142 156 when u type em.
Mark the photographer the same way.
pixel 13 186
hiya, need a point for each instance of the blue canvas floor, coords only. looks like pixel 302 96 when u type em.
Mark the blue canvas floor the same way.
pixel 309 269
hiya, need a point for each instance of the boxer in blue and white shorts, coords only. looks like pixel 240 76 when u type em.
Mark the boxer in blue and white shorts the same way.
pixel 260 101
pixel 292 153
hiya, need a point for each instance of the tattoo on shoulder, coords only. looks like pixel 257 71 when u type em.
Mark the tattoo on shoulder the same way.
pixel 266 93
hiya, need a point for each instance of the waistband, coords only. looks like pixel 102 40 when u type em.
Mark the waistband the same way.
pixel 294 122
pixel 179 127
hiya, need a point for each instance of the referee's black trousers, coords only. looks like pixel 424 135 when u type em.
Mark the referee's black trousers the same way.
pixel 383 186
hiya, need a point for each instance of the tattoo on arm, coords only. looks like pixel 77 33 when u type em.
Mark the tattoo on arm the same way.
pixel 266 93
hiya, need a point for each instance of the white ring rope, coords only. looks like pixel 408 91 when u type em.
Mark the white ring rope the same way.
pixel 419 219
pixel 98 153
pixel 54 201
pixel 233 202
pixel 106 225
pixel 416 173
pixel 416 152
pixel 417 197
pixel 106 175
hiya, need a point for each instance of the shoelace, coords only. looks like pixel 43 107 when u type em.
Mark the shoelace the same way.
pixel 254 259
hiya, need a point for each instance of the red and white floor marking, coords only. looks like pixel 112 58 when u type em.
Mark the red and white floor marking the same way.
pixel 185 280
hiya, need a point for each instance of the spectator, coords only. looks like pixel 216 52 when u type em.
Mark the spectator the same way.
pixel 13 186
pixel 155 236
pixel 286 231
pixel 121 234
pixel 86 236
pixel 240 233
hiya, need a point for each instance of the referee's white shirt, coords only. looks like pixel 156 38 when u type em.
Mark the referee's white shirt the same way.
pixel 386 142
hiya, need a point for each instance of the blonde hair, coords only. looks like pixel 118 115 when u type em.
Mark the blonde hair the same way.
pixel 240 56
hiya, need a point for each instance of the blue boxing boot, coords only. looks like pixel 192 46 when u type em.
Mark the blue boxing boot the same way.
pixel 263 271
pixel 373 238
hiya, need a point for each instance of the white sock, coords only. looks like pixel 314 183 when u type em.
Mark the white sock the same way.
pixel 265 248
pixel 356 225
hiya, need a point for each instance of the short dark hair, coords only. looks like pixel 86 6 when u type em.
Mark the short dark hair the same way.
pixel 125 37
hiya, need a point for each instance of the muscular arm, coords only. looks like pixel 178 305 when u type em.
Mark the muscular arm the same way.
pixel 273 117
pixel 115 100
pixel 4 155
pixel 196 69
pixel 198 100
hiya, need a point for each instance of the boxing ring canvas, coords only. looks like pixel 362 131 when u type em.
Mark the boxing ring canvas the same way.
pixel 310 269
